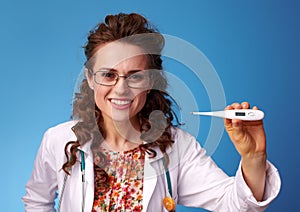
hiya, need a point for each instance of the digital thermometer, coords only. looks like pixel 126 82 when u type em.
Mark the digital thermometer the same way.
pixel 242 114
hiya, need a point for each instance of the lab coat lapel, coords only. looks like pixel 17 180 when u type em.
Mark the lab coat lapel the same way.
pixel 89 177
pixel 150 180
pixel 89 185
pixel 151 172
pixel 74 195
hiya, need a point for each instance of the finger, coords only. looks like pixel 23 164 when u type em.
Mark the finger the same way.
pixel 228 121
pixel 237 130
pixel 255 108
pixel 245 105
pixel 228 107
pixel 236 123
pixel 236 105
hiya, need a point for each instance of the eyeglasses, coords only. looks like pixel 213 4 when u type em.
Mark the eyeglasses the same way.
pixel 139 79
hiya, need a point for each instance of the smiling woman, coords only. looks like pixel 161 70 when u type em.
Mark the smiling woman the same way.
pixel 114 72
pixel 126 145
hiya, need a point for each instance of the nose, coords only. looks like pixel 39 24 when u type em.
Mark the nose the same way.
pixel 121 86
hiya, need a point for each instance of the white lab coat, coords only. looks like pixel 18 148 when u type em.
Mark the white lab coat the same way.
pixel 196 180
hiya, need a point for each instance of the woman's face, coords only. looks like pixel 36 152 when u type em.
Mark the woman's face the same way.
pixel 118 102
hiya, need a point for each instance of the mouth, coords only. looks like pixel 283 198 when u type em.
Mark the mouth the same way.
pixel 121 103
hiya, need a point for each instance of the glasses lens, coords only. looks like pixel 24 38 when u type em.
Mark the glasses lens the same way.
pixel 106 77
pixel 138 80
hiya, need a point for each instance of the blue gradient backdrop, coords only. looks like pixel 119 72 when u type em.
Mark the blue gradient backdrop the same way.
pixel 254 47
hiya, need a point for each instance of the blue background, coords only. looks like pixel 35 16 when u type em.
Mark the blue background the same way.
pixel 254 47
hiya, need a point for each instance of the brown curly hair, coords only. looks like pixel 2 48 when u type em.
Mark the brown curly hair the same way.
pixel 156 117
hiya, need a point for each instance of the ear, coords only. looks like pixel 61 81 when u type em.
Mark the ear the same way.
pixel 89 78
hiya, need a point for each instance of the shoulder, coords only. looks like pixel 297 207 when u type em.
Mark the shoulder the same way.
pixel 183 141
pixel 176 131
pixel 57 136
pixel 180 136
pixel 63 129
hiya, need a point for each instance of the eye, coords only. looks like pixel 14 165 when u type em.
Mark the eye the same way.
pixel 137 77
pixel 109 75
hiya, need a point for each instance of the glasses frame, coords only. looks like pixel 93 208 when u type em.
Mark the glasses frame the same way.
pixel 121 76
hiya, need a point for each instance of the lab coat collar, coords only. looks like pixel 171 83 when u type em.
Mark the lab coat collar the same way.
pixel 151 172
pixel 159 154
pixel 86 148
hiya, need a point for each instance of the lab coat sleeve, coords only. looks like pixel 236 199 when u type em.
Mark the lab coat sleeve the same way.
pixel 201 183
pixel 42 185
pixel 272 188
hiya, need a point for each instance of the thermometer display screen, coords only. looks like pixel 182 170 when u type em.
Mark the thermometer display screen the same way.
pixel 240 114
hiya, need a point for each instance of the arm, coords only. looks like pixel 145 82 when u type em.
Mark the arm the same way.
pixel 202 184
pixel 249 139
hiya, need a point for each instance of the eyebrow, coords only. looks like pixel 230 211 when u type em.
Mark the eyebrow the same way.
pixel 114 70
pixel 106 69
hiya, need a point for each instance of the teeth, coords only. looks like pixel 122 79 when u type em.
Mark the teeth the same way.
pixel 120 102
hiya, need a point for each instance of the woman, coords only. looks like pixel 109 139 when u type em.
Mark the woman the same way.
pixel 124 151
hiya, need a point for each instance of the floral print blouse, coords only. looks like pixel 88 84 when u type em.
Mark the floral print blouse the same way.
pixel 126 171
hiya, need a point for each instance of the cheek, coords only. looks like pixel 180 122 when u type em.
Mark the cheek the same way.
pixel 141 100
pixel 99 95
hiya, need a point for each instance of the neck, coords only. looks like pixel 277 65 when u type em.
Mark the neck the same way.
pixel 122 136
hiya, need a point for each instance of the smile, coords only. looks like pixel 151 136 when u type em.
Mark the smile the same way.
pixel 120 102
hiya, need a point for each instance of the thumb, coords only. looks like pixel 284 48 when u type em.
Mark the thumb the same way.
pixel 237 130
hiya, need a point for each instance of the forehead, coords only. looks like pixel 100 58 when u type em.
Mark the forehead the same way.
pixel 118 54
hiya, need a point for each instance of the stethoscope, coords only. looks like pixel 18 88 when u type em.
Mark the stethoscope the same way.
pixel 168 201
pixel 82 169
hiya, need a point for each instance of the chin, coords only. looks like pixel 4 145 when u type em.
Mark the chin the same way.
pixel 122 116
